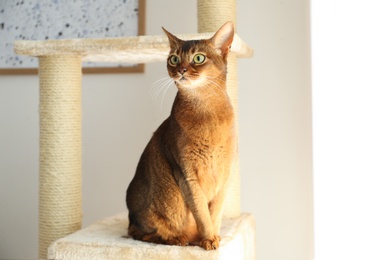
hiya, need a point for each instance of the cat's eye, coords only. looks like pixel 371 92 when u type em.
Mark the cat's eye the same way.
pixel 199 58
pixel 174 60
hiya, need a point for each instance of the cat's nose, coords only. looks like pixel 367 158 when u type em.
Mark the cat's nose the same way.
pixel 182 70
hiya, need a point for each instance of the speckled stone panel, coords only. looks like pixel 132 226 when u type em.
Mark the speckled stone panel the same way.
pixel 62 19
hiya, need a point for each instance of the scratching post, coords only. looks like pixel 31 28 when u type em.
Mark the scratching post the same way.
pixel 212 14
pixel 60 148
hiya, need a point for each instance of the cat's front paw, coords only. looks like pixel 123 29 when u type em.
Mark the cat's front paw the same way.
pixel 210 243
pixel 178 241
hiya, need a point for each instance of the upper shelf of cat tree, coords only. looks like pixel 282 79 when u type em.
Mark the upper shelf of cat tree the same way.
pixel 140 49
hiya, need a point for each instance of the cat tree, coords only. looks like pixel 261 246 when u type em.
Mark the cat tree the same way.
pixel 60 207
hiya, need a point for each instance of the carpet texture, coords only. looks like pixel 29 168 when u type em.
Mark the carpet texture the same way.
pixel 104 240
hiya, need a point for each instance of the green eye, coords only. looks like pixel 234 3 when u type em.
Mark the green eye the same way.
pixel 174 60
pixel 199 58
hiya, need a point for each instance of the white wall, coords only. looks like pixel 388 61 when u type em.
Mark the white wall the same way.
pixel 351 94
pixel 120 116
pixel 275 126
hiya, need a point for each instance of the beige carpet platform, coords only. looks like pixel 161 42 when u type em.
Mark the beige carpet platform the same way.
pixel 104 240
pixel 140 49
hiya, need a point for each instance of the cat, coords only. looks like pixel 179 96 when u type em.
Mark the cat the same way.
pixel 177 193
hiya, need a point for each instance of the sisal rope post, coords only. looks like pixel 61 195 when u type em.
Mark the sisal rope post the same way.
pixel 60 206
pixel 212 14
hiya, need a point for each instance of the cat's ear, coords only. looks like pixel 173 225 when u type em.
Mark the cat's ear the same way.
pixel 173 40
pixel 223 38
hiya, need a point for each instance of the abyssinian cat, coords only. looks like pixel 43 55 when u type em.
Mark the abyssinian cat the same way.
pixel 177 193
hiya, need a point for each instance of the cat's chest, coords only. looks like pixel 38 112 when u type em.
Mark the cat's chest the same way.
pixel 206 130
pixel 207 153
pixel 209 162
pixel 206 141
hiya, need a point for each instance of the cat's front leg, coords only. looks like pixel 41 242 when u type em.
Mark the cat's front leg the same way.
pixel 210 243
pixel 197 202
pixel 216 204
pixel 215 207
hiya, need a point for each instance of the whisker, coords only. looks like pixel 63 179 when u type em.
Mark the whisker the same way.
pixel 154 90
pixel 159 86
pixel 216 84
pixel 165 91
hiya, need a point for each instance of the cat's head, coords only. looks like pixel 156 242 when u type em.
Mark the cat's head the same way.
pixel 195 63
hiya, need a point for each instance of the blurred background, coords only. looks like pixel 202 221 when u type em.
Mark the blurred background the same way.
pixel 350 120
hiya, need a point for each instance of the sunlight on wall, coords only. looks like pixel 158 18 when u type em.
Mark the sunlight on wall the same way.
pixel 351 121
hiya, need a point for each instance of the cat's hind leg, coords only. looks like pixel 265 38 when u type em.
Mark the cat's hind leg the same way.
pixel 170 235
pixel 162 234
pixel 180 240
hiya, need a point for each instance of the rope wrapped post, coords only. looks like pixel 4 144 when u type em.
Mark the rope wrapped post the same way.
pixel 60 206
pixel 212 14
